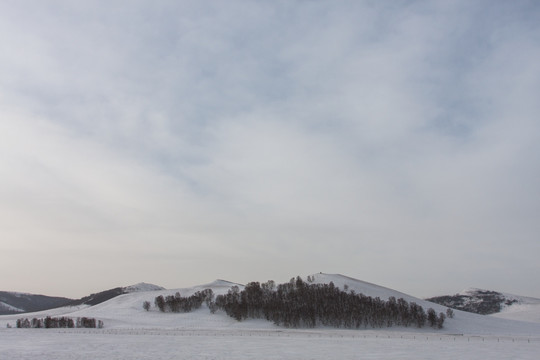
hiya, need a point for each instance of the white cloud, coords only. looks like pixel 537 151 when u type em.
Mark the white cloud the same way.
pixel 378 140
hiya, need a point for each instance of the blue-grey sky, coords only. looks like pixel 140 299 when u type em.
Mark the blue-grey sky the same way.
pixel 175 142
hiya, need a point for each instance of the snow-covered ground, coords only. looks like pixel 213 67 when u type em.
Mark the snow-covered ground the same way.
pixel 132 333
pixel 159 344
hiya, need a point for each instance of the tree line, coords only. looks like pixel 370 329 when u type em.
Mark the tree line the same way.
pixel 177 303
pixel 299 304
pixel 62 322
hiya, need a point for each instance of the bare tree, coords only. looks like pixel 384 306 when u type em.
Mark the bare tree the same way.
pixel 146 305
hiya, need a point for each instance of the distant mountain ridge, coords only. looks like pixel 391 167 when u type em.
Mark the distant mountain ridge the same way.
pixel 15 303
pixel 480 301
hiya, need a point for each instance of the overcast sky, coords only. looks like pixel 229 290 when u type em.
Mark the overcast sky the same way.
pixel 176 142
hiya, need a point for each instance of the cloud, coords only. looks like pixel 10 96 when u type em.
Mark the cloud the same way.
pixel 381 140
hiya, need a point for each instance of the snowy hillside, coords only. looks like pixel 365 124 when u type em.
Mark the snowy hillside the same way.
pixel 520 308
pixel 502 305
pixel 15 302
pixel 362 287
pixel 126 311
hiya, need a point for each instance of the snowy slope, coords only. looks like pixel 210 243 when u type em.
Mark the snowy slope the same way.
pixel 13 302
pixel 496 304
pixel 366 288
pixel 462 323
pixel 520 308
pixel 522 312
pixel 126 312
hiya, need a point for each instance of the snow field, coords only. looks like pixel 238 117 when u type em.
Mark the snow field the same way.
pixel 63 344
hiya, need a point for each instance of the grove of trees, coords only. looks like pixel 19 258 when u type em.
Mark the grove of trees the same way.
pixel 178 303
pixel 62 322
pixel 304 304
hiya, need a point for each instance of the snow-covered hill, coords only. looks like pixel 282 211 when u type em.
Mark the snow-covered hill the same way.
pixel 126 311
pixel 16 302
pixel 497 304
pixel 362 287
pixel 98 298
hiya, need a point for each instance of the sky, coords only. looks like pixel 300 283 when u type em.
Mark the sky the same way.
pixel 177 142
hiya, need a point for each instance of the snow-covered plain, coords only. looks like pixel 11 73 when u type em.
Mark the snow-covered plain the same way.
pixel 255 344
pixel 132 333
